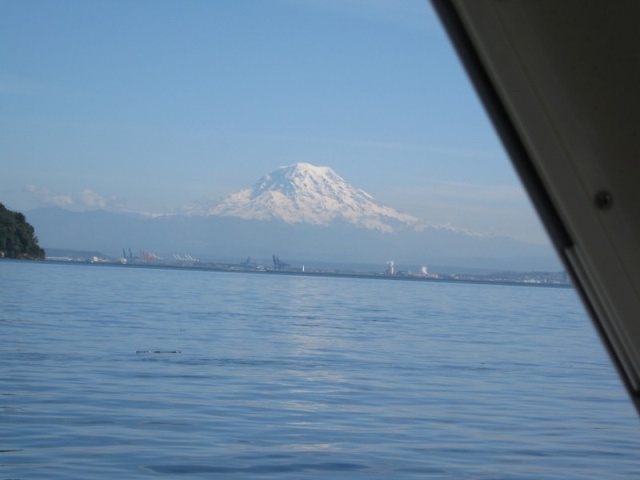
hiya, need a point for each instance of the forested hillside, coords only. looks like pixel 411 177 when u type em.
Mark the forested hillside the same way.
pixel 17 236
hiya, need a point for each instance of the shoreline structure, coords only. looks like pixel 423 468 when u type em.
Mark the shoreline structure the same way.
pixel 536 279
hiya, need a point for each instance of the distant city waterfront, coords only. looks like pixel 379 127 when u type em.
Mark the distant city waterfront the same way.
pixel 278 266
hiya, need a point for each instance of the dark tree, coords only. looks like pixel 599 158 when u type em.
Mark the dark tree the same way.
pixel 17 237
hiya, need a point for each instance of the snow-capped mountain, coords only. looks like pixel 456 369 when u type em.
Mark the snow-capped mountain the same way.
pixel 304 193
pixel 317 216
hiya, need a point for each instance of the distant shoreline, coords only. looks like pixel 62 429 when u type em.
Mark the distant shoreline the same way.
pixel 231 268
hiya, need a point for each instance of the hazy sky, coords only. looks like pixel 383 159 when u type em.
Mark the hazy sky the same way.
pixel 153 105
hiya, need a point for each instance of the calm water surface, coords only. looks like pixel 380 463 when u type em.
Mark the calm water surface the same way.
pixel 300 377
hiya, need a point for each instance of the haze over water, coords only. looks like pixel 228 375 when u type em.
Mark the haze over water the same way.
pixel 300 377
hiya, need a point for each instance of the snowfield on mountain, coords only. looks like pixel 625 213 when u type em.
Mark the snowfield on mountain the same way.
pixel 304 193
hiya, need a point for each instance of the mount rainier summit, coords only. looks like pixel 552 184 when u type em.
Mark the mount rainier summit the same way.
pixel 304 193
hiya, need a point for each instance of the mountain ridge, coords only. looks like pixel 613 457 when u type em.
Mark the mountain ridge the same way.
pixel 300 211
pixel 305 193
pixel 232 238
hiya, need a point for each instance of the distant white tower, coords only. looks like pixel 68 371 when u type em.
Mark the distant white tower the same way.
pixel 424 270
pixel 391 268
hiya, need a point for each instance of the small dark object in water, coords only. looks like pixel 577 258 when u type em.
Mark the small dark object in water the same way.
pixel 158 351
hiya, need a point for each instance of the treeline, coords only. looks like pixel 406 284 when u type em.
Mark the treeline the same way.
pixel 17 236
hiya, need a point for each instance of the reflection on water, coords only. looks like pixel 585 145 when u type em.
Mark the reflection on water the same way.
pixel 247 376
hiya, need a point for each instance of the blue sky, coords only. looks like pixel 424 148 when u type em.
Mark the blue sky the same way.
pixel 153 105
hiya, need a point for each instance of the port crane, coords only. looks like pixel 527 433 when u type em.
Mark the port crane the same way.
pixel 279 264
